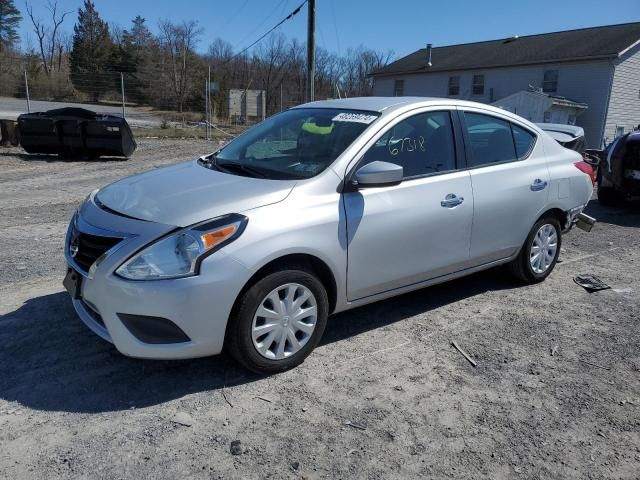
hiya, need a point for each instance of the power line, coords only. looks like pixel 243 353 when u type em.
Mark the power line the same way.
pixel 288 17
pixel 274 11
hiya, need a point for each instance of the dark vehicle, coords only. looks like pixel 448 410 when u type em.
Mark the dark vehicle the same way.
pixel 76 133
pixel 619 172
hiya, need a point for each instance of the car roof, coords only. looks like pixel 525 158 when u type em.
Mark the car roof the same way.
pixel 384 104
pixel 397 105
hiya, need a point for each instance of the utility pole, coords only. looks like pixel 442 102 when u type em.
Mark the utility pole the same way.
pixel 26 86
pixel 311 49
pixel 206 108
pixel 122 89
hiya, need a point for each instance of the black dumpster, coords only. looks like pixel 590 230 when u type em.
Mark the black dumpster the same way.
pixel 76 132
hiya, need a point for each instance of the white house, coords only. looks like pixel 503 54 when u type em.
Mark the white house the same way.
pixel 598 68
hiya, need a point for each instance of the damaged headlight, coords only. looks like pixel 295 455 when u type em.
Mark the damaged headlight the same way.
pixel 180 253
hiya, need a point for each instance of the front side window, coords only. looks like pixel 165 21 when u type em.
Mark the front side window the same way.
pixel 494 140
pixel 550 81
pixel 422 144
pixel 299 143
pixel 398 88
pixel 454 86
pixel 478 85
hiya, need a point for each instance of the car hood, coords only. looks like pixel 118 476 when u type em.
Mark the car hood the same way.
pixel 189 193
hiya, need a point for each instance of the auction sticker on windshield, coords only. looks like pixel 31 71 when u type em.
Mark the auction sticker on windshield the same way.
pixel 354 117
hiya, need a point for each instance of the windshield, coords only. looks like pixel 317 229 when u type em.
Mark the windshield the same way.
pixel 298 143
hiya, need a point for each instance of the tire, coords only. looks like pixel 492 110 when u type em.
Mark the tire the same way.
pixel 608 196
pixel 245 321
pixel 521 267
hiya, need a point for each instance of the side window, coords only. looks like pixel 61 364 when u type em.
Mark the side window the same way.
pixel 453 88
pixel 422 144
pixel 523 139
pixel 398 88
pixel 491 139
pixel 550 81
pixel 478 85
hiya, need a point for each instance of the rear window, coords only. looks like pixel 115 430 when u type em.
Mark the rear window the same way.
pixel 494 140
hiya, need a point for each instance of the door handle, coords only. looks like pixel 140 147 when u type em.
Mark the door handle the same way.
pixel 451 200
pixel 538 185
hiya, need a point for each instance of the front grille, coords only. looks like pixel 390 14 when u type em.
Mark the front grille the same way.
pixel 89 248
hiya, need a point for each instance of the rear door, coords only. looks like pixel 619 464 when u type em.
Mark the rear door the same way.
pixel 510 181
pixel 419 229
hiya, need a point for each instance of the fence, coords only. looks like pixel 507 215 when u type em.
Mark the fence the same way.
pixel 147 99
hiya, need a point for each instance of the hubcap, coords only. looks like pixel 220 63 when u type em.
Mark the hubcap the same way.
pixel 544 248
pixel 284 321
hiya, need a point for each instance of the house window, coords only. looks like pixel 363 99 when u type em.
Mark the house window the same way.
pixel 547 117
pixel 550 81
pixel 398 88
pixel 454 86
pixel 478 85
pixel 619 131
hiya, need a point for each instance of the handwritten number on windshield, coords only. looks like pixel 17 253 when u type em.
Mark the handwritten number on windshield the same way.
pixel 406 144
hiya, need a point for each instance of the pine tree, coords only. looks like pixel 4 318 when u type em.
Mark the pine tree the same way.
pixel 92 52
pixel 139 36
pixel 135 58
pixel 9 19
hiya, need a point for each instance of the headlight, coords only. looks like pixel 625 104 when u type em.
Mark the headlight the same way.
pixel 180 253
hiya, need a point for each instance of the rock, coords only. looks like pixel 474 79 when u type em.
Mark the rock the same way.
pixel 236 447
pixel 295 465
pixel 182 418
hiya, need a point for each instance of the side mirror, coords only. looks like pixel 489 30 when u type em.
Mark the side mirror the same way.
pixel 378 174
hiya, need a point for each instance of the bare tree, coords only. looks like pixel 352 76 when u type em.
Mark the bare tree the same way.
pixel 179 42
pixel 48 36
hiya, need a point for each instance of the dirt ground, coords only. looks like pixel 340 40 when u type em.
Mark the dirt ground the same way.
pixel 556 391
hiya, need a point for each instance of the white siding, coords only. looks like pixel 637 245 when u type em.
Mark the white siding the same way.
pixel 586 82
pixel 624 105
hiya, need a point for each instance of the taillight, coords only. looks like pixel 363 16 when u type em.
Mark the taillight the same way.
pixel 588 169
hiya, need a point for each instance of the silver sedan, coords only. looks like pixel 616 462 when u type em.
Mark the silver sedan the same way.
pixel 319 209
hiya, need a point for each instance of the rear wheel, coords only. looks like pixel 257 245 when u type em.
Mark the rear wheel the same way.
pixel 540 251
pixel 278 321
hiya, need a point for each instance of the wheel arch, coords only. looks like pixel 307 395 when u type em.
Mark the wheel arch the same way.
pixel 558 214
pixel 309 262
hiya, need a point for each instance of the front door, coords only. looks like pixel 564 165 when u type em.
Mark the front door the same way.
pixel 419 229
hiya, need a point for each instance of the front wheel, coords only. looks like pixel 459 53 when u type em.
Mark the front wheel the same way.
pixel 540 251
pixel 278 321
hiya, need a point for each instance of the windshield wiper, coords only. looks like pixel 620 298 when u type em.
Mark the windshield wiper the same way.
pixel 240 167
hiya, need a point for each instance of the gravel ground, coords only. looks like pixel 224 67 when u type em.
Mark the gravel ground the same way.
pixel 556 391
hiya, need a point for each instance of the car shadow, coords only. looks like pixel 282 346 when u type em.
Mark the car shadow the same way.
pixel 625 215
pixel 52 362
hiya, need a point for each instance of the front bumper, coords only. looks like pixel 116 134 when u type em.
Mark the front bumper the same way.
pixel 200 306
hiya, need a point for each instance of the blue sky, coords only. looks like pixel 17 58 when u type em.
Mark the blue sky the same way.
pixel 399 25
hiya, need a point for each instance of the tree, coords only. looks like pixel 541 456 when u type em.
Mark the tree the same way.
pixel 137 50
pixel 92 52
pixel 139 36
pixel 9 19
pixel 51 46
pixel 179 42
